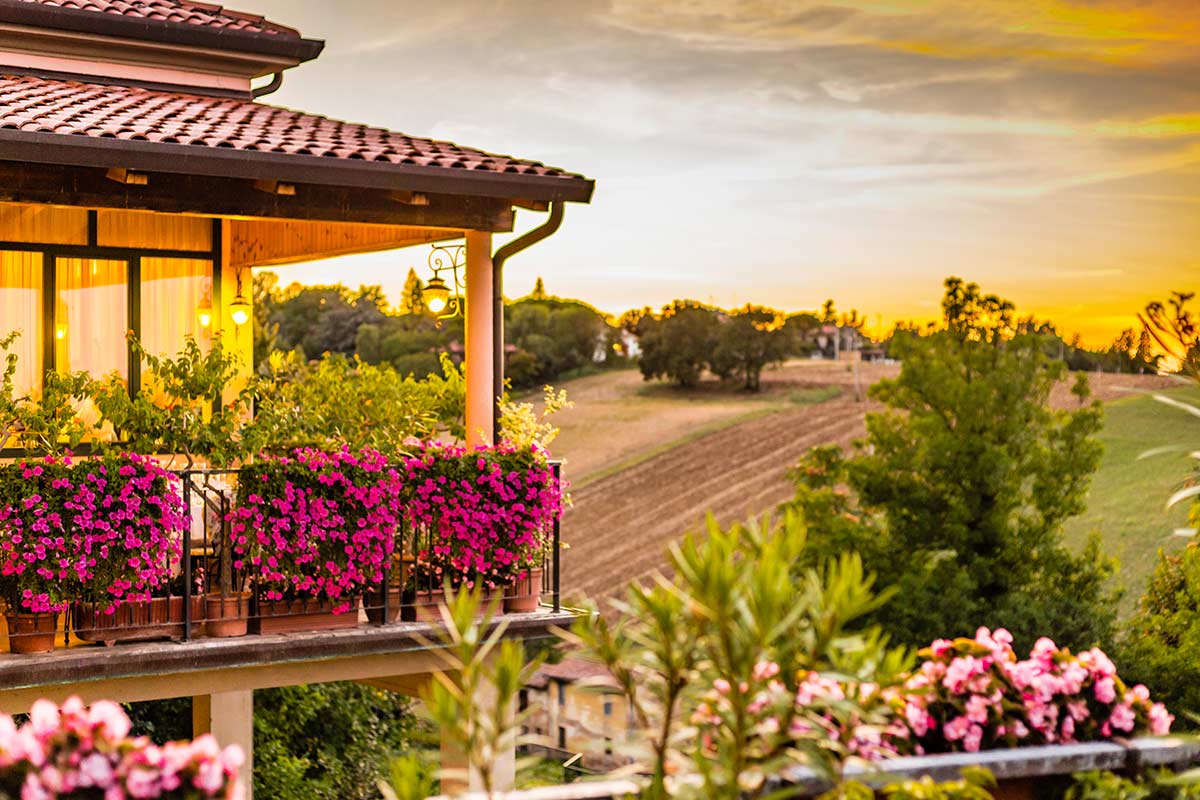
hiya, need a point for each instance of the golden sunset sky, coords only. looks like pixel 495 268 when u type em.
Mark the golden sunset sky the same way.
pixel 785 152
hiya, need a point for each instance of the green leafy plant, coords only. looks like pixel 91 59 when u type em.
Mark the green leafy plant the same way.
pixel 711 660
pixel 961 486
pixel 179 408
pixel 1155 785
pixel 472 699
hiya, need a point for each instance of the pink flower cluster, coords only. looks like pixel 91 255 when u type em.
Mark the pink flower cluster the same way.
pixel 76 751
pixel 854 718
pixel 479 515
pixel 965 695
pixel 316 524
pixel 971 694
pixel 104 529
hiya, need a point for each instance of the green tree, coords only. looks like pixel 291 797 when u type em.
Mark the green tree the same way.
pixel 412 298
pixel 539 290
pixel 959 491
pixel 748 340
pixel 677 344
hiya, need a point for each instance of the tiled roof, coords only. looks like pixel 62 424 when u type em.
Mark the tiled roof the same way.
pixel 195 124
pixel 572 669
pixel 186 12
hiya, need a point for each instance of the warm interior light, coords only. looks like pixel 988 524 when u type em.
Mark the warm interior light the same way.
pixel 436 295
pixel 60 332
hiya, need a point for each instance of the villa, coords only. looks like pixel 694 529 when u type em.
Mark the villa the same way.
pixel 141 179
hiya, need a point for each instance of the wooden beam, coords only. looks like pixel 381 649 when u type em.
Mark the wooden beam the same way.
pixel 88 187
pixel 263 242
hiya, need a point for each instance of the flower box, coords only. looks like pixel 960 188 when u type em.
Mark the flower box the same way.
pixel 524 594
pixel 296 616
pixel 133 620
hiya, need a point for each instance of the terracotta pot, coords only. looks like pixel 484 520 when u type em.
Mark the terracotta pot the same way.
pixel 31 633
pixel 427 605
pixel 524 594
pixel 294 616
pixel 373 602
pixel 227 615
pixel 133 620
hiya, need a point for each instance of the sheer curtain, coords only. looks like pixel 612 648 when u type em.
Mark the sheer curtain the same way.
pixel 173 292
pixel 21 310
pixel 91 316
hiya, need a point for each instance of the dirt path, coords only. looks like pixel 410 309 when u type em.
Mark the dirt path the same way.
pixel 621 524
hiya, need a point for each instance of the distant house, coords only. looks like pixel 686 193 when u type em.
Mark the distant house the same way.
pixel 575 707
pixel 834 342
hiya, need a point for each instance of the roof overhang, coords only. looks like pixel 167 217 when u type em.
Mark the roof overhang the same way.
pixel 181 159
pixel 16 12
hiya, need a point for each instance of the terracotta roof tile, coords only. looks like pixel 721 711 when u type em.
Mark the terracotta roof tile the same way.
pixel 47 106
pixel 185 12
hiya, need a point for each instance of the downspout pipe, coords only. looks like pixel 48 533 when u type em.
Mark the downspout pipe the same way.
pixel 528 239
pixel 266 89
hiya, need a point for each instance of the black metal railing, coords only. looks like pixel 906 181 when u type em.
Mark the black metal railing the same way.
pixel 210 595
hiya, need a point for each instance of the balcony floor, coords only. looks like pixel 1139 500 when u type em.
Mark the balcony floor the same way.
pixel 154 670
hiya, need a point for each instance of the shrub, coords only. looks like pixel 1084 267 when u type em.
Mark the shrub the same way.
pixel 1164 635
pixel 102 529
pixel 75 751
pixel 316 525
pixel 479 515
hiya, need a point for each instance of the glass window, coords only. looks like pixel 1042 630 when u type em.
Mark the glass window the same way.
pixel 608 708
pixel 21 311
pixel 91 316
pixel 177 301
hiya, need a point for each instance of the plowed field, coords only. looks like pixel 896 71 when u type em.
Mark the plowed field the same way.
pixel 648 465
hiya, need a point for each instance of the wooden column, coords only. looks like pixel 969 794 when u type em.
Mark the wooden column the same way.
pixel 229 716
pixel 479 356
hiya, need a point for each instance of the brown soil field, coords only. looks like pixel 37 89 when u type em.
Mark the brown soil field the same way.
pixel 647 469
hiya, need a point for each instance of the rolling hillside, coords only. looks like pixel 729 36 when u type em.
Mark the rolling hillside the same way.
pixel 647 462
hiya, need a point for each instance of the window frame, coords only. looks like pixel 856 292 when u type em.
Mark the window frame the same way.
pixel 132 256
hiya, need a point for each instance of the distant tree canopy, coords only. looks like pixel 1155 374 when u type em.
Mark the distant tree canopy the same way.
pixel 686 338
pixel 547 336
pixel 958 494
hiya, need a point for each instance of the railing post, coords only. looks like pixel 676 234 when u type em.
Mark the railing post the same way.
pixel 556 466
pixel 187 556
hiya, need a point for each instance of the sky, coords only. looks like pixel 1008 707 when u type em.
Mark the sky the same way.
pixel 786 152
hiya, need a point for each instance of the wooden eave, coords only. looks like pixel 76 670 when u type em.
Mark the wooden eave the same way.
pixel 207 195
pixel 181 159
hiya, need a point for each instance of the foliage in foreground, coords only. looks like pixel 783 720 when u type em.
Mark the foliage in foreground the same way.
pixel 958 493
pixel 1160 646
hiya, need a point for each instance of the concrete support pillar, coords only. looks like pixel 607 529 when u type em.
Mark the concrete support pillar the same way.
pixel 229 716
pixel 479 356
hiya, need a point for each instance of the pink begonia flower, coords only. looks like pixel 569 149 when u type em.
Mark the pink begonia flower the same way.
pixel 977 708
pixel 43 718
pixel 110 718
pixel 1067 729
pixel 1105 690
pixel 721 685
pixel 941 647
pixel 1122 718
pixel 95 770
pixel 1044 650
pixel 956 729
pixel 973 739
pixel 32 789
pixel 1160 720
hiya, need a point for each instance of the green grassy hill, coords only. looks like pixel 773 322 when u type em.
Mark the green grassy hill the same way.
pixel 1127 501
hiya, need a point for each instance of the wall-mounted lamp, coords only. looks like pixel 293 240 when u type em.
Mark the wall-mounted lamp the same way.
pixel 60 332
pixel 239 309
pixel 437 294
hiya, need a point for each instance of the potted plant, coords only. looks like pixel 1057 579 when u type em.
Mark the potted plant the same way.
pixel 313 530
pixel 479 516
pixel 127 535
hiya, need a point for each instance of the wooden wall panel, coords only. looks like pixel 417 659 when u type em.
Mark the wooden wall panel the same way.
pixel 264 242
pixel 149 229
pixel 43 224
